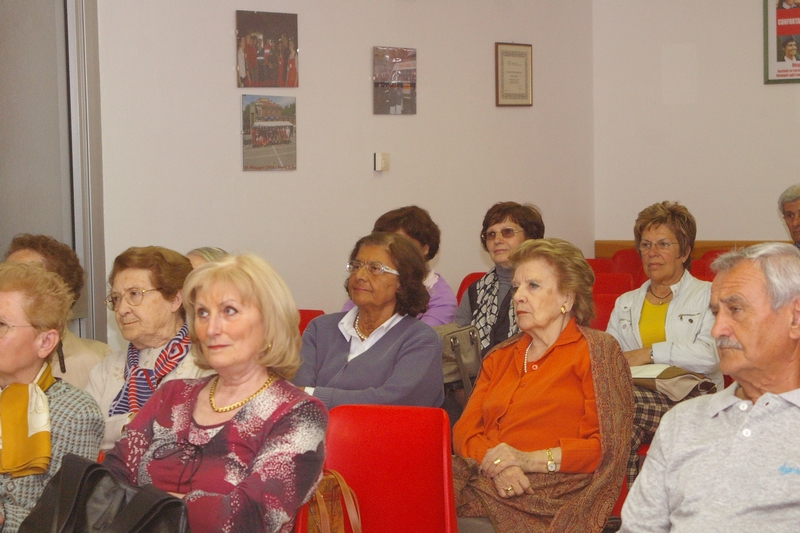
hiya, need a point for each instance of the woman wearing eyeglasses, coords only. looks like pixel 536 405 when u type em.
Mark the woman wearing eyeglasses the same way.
pixel 377 352
pixel 667 319
pixel 146 300
pixel 42 418
pixel 487 302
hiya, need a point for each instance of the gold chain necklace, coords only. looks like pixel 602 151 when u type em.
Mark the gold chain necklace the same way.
pixel 239 403
pixel 358 330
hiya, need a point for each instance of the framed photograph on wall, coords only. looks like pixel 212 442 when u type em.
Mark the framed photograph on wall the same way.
pixel 269 133
pixel 266 49
pixel 512 70
pixel 394 81
pixel 781 41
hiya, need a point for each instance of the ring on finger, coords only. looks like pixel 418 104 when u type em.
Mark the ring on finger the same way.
pixel 509 490
pixel 497 461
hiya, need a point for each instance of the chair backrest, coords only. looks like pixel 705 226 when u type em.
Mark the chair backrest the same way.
pixel 612 283
pixel 600 264
pixel 628 260
pixel 468 280
pixel 398 461
pixel 307 315
pixel 701 269
pixel 603 306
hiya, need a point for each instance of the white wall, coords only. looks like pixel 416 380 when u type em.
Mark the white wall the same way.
pixel 172 148
pixel 681 112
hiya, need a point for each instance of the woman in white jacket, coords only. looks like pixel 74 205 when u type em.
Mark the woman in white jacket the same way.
pixel 667 319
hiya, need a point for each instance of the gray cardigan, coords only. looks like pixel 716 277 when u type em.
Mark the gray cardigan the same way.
pixel 403 368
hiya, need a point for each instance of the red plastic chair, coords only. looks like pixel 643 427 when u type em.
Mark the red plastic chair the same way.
pixel 701 269
pixel 603 306
pixel 397 460
pixel 612 283
pixel 628 260
pixel 468 280
pixel 307 315
pixel 600 264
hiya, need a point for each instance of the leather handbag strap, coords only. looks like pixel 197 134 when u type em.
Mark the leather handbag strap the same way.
pixel 455 347
pixel 324 522
pixel 350 501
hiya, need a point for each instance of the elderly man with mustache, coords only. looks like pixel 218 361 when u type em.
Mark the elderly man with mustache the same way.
pixel 730 461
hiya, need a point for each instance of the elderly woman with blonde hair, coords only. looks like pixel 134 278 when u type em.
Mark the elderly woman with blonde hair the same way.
pixel 42 418
pixel 543 440
pixel 243 447
pixel 77 356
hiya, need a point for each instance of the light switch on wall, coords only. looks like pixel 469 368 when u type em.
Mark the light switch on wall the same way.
pixel 381 161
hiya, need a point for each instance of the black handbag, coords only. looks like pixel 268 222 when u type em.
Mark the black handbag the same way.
pixel 85 497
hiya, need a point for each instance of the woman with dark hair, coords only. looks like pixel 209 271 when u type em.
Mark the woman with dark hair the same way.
pixel 487 302
pixel 146 300
pixel 80 356
pixel 667 320
pixel 376 353
pixel 416 225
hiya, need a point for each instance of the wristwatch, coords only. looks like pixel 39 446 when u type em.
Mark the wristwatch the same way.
pixel 551 461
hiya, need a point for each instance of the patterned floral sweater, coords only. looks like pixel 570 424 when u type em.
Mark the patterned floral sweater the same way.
pixel 249 474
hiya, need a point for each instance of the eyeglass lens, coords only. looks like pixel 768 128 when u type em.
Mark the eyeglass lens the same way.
pixel 506 233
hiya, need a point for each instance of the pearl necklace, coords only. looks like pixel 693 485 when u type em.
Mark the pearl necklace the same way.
pixel 358 330
pixel 239 403
pixel 525 362
pixel 660 299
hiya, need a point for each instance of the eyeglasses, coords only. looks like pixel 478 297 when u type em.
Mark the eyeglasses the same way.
pixel 376 268
pixel 133 296
pixel 5 327
pixel 507 233
pixel 661 246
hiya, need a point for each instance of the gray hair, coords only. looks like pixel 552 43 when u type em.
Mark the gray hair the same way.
pixel 778 261
pixel 789 195
pixel 210 253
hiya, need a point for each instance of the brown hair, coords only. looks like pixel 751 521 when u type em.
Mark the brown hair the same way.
pixel 414 222
pixel 573 273
pixel 56 256
pixel 526 215
pixel 47 298
pixel 259 285
pixel 412 296
pixel 673 215
pixel 168 269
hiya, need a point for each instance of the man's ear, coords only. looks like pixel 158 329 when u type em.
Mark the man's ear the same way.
pixel 48 341
pixel 794 327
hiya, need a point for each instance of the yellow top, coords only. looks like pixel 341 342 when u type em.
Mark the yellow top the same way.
pixel 651 324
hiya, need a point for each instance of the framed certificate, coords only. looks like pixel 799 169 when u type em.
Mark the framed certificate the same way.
pixel 513 74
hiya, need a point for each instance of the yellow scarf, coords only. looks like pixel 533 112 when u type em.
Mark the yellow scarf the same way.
pixel 25 426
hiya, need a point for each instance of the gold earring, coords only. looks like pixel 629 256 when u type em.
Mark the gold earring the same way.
pixel 563 310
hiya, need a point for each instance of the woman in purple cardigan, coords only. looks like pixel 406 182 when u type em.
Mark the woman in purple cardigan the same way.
pixel 377 352
pixel 416 225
